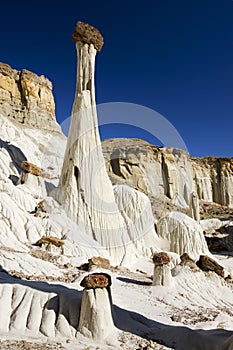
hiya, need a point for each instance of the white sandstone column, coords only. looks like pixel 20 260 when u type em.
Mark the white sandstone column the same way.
pixel 96 320
pixel 85 188
pixel 162 271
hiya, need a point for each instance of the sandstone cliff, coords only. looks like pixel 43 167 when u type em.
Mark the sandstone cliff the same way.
pixel 27 98
pixel 213 178
pixel 169 172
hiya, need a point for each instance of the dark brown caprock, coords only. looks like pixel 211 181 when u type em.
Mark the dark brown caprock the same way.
pixel 86 33
pixel 161 258
pixel 96 280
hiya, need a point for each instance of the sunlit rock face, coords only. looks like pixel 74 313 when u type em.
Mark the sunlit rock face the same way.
pixel 27 98
pixel 85 189
pixel 214 179
pixel 184 234
pixel 165 171
pixel 153 170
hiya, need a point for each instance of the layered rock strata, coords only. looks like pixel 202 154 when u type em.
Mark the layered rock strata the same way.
pixel 169 172
pixel 27 98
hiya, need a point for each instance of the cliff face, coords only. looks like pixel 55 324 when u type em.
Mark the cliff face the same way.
pixel 213 178
pixel 27 98
pixel 164 171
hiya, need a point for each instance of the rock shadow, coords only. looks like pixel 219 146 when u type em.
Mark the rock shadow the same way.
pixel 16 154
pixel 132 281
pixel 176 337
pixel 67 302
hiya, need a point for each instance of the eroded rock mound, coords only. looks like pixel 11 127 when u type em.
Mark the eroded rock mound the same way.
pixel 184 235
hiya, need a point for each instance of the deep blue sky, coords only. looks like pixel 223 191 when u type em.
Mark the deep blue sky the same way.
pixel 174 56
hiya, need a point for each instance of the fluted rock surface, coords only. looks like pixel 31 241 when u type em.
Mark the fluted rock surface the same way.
pixel 150 169
pixel 166 171
pixel 184 235
pixel 27 98
pixel 213 178
pixel 85 190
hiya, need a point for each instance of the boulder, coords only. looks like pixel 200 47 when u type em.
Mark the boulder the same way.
pixel 98 261
pixel 187 261
pixel 50 240
pixel 30 168
pixel 208 264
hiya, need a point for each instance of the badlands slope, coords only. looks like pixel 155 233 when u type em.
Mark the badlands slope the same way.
pixel 195 312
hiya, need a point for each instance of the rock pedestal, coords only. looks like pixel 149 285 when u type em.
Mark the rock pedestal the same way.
pixel 31 177
pixel 96 320
pixel 162 271
pixel 85 190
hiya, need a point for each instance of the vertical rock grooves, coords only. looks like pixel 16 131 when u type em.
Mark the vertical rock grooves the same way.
pixel 168 171
pixel 165 178
pixel 30 312
pixel 85 189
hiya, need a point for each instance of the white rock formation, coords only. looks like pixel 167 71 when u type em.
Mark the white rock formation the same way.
pixel 160 171
pixel 96 320
pixel 36 310
pixel 184 234
pixel 214 179
pixel 194 208
pixel 136 210
pixel 18 226
pixel 162 270
pixel 86 192
pixel 179 201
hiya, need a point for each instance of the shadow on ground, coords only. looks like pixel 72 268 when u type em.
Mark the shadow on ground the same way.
pixel 175 337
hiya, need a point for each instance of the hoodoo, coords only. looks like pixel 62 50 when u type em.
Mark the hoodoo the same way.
pixel 96 320
pixel 162 271
pixel 85 189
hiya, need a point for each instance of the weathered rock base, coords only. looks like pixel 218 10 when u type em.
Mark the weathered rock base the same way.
pixel 96 320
